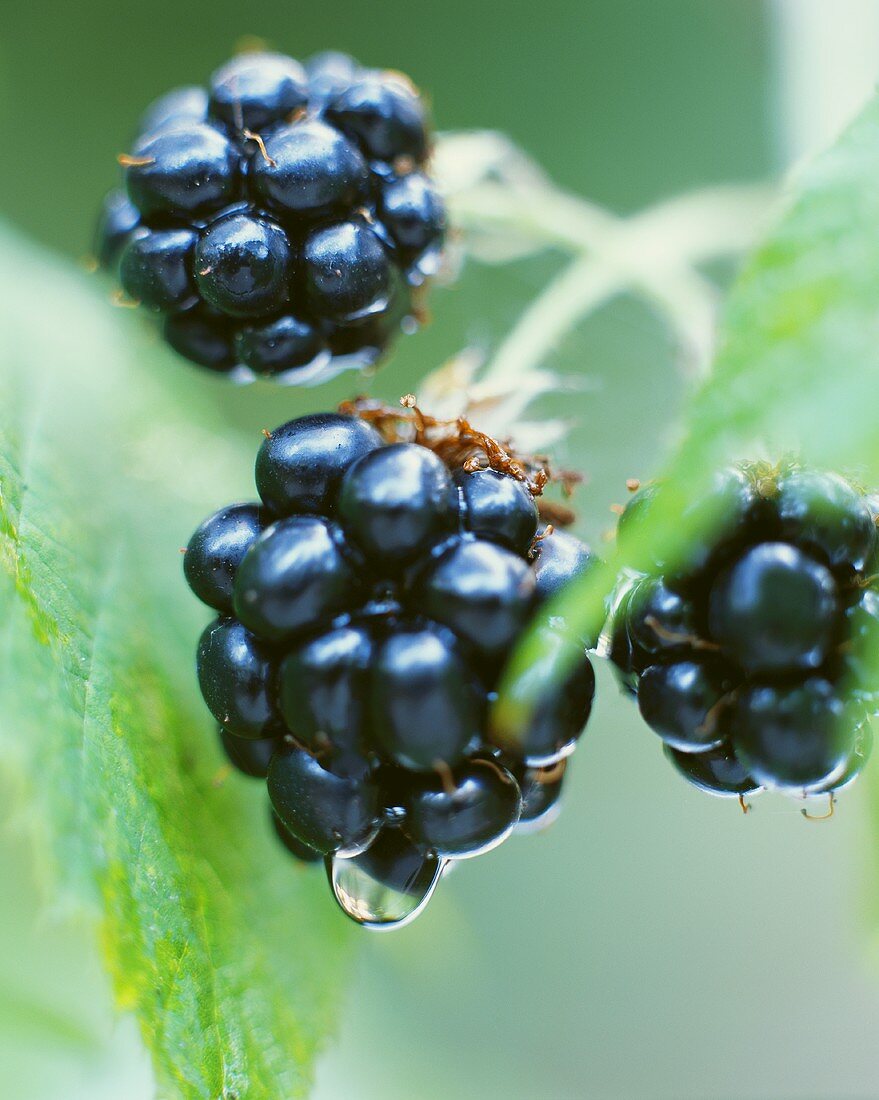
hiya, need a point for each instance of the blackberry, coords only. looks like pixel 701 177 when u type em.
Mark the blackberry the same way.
pixel 295 574
pixel 215 552
pixel 323 688
pixel 118 218
pixel 156 268
pixel 235 674
pixel 415 216
pixel 242 266
pixel 793 736
pixel 397 502
pixel 716 771
pixel 183 173
pixel 329 812
pixel 559 560
pixel 498 508
pixel 280 220
pixel 753 656
pixel 270 346
pixel 181 105
pixel 347 272
pixel 311 171
pixel 384 113
pixel 367 608
pixel 249 755
pixel 541 790
pixel 775 610
pixel 470 812
pixel 481 591
pixel 256 90
pixel 203 336
pixel 680 702
pixel 420 670
pixel 556 719
pixel 302 853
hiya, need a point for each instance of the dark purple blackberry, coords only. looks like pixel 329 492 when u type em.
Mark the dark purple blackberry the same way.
pixel 236 679
pixel 324 697
pixel 466 813
pixel 715 771
pixel 280 219
pixel 384 114
pixel 397 502
pixel 425 706
pixel 328 812
pixel 242 266
pixel 215 552
pixel 559 558
pixel 541 789
pixel 300 466
pixel 155 269
pixel 414 214
pixel 249 755
pixel 255 90
pixel 183 174
pixel 310 171
pixel 557 718
pixel 295 573
pixel 793 736
pixel 683 702
pixel 302 853
pixel 346 271
pixel 181 105
pixel 753 655
pixel 118 218
pixel 202 335
pixel 481 591
pixel 369 606
pixel 498 508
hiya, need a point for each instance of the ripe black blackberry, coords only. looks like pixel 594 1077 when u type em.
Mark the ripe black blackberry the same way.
pixel 366 609
pixel 280 221
pixel 751 656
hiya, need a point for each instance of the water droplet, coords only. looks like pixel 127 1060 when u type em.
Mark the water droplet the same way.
pixel 388 885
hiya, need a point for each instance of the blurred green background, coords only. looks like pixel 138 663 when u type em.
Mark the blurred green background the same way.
pixel 655 942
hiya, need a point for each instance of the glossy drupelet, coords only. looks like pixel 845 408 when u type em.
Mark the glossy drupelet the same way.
pixel 280 219
pixel 367 607
pixel 754 658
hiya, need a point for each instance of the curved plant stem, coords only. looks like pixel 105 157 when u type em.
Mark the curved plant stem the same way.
pixel 579 289
pixel 507 208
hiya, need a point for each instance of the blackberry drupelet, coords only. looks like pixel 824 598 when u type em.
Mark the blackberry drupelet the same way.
pixel 367 607
pixel 754 659
pixel 280 220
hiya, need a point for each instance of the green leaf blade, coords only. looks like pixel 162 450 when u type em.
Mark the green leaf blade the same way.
pixel 232 957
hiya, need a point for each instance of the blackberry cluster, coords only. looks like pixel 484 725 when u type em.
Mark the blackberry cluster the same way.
pixel 366 607
pixel 750 657
pixel 280 220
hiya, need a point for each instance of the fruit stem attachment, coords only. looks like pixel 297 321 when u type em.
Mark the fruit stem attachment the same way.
pixel 831 809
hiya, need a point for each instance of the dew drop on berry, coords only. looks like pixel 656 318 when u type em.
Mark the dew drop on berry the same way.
pixel 388 885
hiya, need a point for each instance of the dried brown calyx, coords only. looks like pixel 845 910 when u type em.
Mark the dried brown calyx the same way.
pixel 461 446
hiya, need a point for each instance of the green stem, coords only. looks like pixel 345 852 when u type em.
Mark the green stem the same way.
pixel 653 253
pixel 580 288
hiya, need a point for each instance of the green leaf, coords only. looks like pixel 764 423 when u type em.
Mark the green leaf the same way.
pixel 797 369
pixel 231 957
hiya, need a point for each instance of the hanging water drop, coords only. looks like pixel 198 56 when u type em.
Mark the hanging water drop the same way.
pixel 386 886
